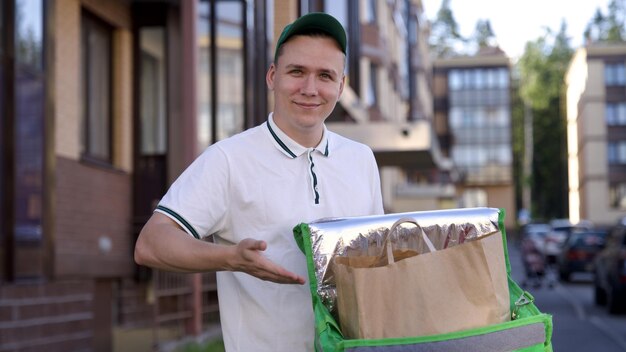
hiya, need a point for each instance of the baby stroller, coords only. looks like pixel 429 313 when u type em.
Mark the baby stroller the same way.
pixel 534 264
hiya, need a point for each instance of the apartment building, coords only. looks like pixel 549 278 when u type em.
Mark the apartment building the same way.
pixel 393 112
pixel 104 103
pixel 473 122
pixel 596 133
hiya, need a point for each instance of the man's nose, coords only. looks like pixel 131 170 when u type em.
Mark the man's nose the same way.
pixel 309 86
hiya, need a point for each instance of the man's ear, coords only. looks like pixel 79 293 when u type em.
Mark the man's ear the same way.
pixel 343 81
pixel 269 77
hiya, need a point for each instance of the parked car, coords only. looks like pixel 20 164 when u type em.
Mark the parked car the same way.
pixel 610 270
pixel 579 251
pixel 561 229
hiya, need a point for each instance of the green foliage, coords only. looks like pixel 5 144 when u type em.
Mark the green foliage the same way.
pixel 212 346
pixel 445 36
pixel 543 66
pixel 542 69
pixel 483 34
pixel 609 28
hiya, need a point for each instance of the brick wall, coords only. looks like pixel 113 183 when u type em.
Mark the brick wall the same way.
pixel 46 316
pixel 93 233
pixel 136 309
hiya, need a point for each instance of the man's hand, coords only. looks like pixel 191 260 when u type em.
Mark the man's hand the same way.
pixel 249 259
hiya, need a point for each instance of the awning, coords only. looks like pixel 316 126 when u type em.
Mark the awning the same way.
pixel 412 144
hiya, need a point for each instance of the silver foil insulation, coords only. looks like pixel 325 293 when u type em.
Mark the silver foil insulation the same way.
pixel 365 236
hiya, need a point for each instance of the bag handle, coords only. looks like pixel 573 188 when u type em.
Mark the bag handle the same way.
pixel 393 227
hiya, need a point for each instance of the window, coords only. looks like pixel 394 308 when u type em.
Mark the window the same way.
pixel 480 121
pixel 617 195
pixel 230 68
pixel 403 68
pixel 490 78
pixel 205 79
pixel 615 114
pixel 615 74
pixel 3 131
pixel 617 152
pixel 372 86
pixel 152 76
pixel 612 153
pixel 346 12
pixel 339 9
pixel 97 39
pixel 474 198
pixel 221 84
pixel 480 78
pixel 470 79
pixel 29 99
pixel 503 78
pixel 610 114
pixel 469 117
pixel 22 97
pixel 455 79
pixel 456 117
pixel 370 11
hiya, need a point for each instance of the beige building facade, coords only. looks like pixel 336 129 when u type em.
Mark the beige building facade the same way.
pixel 596 133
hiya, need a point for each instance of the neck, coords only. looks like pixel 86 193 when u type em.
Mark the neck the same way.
pixel 308 140
pixel 308 137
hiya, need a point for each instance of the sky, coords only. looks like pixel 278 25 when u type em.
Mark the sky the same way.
pixel 516 22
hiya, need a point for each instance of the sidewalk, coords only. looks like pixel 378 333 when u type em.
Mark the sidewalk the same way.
pixel 142 340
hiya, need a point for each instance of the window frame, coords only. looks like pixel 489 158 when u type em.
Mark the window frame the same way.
pixel 253 91
pixel 25 258
pixel 615 74
pixel 88 22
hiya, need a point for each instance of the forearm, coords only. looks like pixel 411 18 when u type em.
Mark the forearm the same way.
pixel 163 245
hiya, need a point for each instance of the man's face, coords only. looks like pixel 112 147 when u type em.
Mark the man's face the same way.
pixel 307 80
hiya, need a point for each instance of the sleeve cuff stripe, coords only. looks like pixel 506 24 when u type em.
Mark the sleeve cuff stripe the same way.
pixel 179 219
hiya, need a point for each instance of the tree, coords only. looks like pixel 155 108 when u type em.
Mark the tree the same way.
pixel 483 34
pixel 542 68
pixel 445 37
pixel 610 28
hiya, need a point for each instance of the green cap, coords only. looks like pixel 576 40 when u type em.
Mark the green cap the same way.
pixel 319 21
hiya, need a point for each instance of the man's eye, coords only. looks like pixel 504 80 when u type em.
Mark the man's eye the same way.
pixel 295 72
pixel 326 76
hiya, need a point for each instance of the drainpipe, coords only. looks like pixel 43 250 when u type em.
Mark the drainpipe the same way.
pixel 189 107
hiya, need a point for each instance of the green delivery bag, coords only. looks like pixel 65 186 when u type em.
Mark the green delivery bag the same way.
pixel 322 240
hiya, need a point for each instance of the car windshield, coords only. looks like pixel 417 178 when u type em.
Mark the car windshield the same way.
pixel 569 229
pixel 536 235
pixel 536 228
pixel 588 239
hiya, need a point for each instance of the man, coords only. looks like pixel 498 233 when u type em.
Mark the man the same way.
pixel 250 190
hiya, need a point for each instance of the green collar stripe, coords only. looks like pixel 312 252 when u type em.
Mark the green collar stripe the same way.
pixel 326 150
pixel 184 222
pixel 282 145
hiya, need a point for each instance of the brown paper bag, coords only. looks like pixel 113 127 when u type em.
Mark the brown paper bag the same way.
pixel 448 290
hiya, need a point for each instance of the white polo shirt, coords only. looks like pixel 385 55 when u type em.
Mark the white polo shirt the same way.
pixel 260 184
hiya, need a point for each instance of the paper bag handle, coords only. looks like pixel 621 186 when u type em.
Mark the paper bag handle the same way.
pixel 393 227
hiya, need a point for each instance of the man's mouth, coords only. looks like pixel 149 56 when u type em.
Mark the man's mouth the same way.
pixel 307 105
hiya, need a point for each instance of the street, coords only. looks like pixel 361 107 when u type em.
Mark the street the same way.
pixel 579 324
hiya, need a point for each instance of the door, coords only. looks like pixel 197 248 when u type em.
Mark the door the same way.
pixel 151 113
